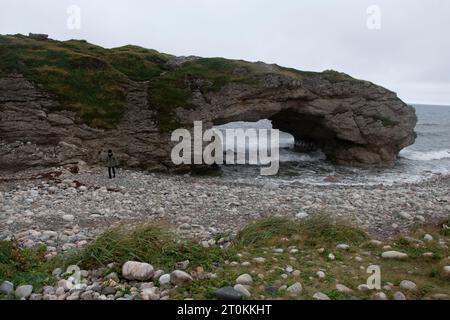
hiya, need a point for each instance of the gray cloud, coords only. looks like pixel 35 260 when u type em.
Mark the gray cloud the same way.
pixel 409 54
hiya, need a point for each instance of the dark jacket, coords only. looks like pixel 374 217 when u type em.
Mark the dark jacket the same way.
pixel 111 161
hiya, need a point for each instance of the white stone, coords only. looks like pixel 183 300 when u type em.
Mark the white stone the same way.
pixel 446 270
pixel 343 246
pixel 408 285
pixel 133 270
pixel 179 277
pixel 301 215
pixel 342 288
pixel 321 275
pixel 321 296
pixel 296 288
pixel 331 256
pixel 244 279
pixel 164 279
pixel 405 215
pixel 68 217
pixel 242 290
pixel 376 242
pixel 394 255
pixel 363 288
pixel 259 260
pixel 428 237
pixel 380 296
pixel 66 285
pixel 24 291
pixel 151 293
pixel 7 288
pixel 399 296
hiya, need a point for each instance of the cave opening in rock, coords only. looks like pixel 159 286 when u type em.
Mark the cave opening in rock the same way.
pixel 292 147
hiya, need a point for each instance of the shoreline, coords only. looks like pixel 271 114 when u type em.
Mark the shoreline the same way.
pixel 68 210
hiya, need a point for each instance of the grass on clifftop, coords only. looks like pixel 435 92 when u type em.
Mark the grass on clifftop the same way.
pixel 91 80
pixel 84 78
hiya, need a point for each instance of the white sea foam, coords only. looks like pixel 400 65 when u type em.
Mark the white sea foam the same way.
pixel 292 156
pixel 425 156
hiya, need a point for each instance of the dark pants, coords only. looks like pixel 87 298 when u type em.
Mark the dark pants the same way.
pixel 112 172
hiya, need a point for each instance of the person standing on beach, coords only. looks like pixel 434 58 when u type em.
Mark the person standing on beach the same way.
pixel 111 163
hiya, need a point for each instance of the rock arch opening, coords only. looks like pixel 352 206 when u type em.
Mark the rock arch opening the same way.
pixel 300 138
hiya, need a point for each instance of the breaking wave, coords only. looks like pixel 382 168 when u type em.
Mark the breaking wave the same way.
pixel 425 156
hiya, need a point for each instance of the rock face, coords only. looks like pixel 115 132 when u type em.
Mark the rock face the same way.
pixel 354 122
pixel 33 134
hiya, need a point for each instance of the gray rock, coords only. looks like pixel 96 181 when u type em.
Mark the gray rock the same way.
pixel 150 294
pixel 244 279
pixel 24 291
pixel 321 296
pixel 376 243
pixel 35 296
pixel 6 288
pixel 180 278
pixel 183 265
pixel 164 279
pixel 60 291
pixel 87 295
pixel 112 276
pixel 259 260
pixel 301 215
pixel 394 255
pixel 380 296
pixel 441 296
pixel 57 272
pixel 242 290
pixel 321 275
pixel 363 288
pixel 399 296
pixel 227 293
pixel 68 217
pixel 446 270
pixel 343 246
pixel 74 296
pixel 408 285
pixel 344 289
pixel 295 289
pixel 108 290
pixel 132 270
pixel 65 284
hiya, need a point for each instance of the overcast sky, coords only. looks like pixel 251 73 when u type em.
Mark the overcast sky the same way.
pixel 409 54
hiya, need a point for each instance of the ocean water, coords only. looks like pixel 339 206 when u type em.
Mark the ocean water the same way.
pixel 426 159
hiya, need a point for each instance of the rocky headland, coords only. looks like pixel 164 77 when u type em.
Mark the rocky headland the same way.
pixel 66 102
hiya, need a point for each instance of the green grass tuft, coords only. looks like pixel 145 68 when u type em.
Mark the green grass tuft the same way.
pixel 316 230
pixel 24 266
pixel 147 243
